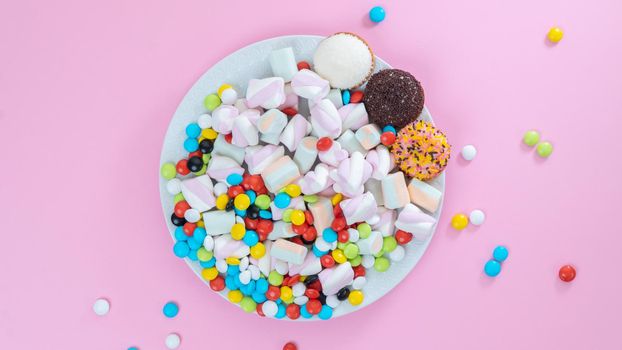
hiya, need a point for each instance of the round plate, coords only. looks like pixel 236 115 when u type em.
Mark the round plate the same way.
pixel 237 69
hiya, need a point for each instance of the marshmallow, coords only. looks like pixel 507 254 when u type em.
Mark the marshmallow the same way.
pixel 322 212
pixel 325 120
pixel 348 141
pixel 281 229
pixel 309 85
pixel 374 187
pixel 353 116
pixel 218 222
pixel 252 114
pixel 225 246
pixel 291 99
pixel 297 128
pixel 267 93
pixel 359 208
pixel 280 173
pixel 368 136
pixel 220 167
pixel 244 133
pixel 386 221
pixel 241 105
pixel 288 251
pixel 317 180
pixel 310 266
pixel 270 125
pixel 381 161
pixel 199 192
pixel 334 155
pixel 335 278
pixel 283 63
pixel 424 195
pixel 224 148
pixel 412 219
pixel 395 191
pixel 265 262
pixel 370 245
pixel 334 95
pixel 259 157
pixel 351 175
pixel 223 117
pixel 306 153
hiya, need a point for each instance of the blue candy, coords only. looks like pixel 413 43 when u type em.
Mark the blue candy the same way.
pixel 193 244
pixel 180 235
pixel 500 253
pixel 304 313
pixel 230 283
pixel 199 234
pixel 251 195
pixel 132 348
pixel 377 14
pixel 247 289
pixel 265 214
pixel 318 252
pixel 239 212
pixel 282 200
pixel 207 264
pixel 281 312
pixel 234 179
pixel 492 268
pixel 181 249
pixel 261 286
pixel 345 96
pixel 191 145
pixel 259 297
pixel 193 130
pixel 251 238
pixel 329 235
pixel 325 313
pixel 170 309
pixel 193 255
pixel 389 128
pixel 233 270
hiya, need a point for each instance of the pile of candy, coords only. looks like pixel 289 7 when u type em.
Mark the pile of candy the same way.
pixel 285 212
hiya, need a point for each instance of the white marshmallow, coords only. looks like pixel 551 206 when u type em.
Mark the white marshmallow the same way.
pixel 288 251
pixel 424 195
pixel 280 173
pixel 307 84
pixel 374 187
pixel 270 125
pixel 359 208
pixel 306 153
pixel 317 180
pixel 225 246
pixel 283 63
pixel 370 245
pixel 334 95
pixel 385 224
pixel 334 155
pixel 267 93
pixel 349 142
pixel 224 148
pixel 310 266
pixel 325 120
pixel 297 128
pixel 244 133
pixel 322 212
pixel 394 191
pixel 381 161
pixel 199 193
pixel 218 222
pixel 259 157
pixel 368 136
pixel 220 167
pixel 223 117
pixel 353 116
pixel 335 278
pixel 281 229
pixel 412 219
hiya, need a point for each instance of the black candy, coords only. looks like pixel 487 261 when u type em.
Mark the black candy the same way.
pixel 343 293
pixel 206 146
pixel 177 221
pixel 195 164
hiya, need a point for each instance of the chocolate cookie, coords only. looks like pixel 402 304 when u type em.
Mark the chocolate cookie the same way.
pixel 394 97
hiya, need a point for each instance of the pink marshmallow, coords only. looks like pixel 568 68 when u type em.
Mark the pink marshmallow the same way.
pixel 334 155
pixel 322 212
pixel 244 132
pixel 335 278
pixel 348 141
pixel 310 266
pixel 359 209
pixel 368 136
pixel 306 154
pixel 259 157
pixel 353 116
pixel 219 167
pixel 223 117
pixel 412 219
pixel 394 191
pixel 424 195
pixel 381 161
pixel 297 128
pixel 386 221
pixel 309 85
pixel 317 180
pixel 280 173
pixel 351 175
pixel 291 99
pixel 267 93
pixel 199 192
pixel 270 125
pixel 325 120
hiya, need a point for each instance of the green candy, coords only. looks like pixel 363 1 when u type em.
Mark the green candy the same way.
pixel 341 246
pixel 531 137
pixel 262 201
pixel 168 171
pixel 211 102
pixel 202 171
pixel 389 244
pixel 207 157
pixel 544 149
pixel 178 198
pixel 351 250
pixel 204 254
pixel 364 230
pixel 248 304
pixel 356 261
pixel 287 215
pixel 382 264
pixel 310 198
pixel 379 254
pixel 275 278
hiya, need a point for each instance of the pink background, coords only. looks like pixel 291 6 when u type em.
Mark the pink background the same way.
pixel 87 89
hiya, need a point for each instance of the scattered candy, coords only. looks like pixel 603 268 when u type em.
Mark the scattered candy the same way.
pixel 101 307
pixel 469 152
pixel 492 268
pixel 172 341
pixel 544 149
pixel 377 14
pixel 170 309
pixel 477 217
pixel 290 346
pixel 531 138
pixel 459 222
pixel 567 273
pixel 500 253
pixel 555 34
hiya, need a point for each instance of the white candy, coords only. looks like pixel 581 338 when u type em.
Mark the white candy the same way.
pixel 306 153
pixel 469 152
pixel 325 120
pixel 225 246
pixel 332 301
pixel 101 307
pixel 192 215
pixel 281 267
pixel 173 186
pixel 359 282
pixel 359 208
pixel 218 222
pixel 351 175
pixel 245 277
pixel 199 193
pixel 208 243
pixel 353 235
pixel 244 133
pixel 205 121
pixel 270 125
pixel 322 212
pixel 348 141
pixel 269 308
pixel 385 224
pixel 334 155
pixel 368 136
pixel 394 191
pixel 280 173
pixel 370 245
pixel 288 251
pixel 368 261
pixel 477 217
pixel 267 93
pixel 424 195
pixel 301 300
pixel 220 188
pixel 311 266
pixel 283 63
pixel 255 273
pixel 224 148
pixel 223 117
pixel 374 219
pixel 298 289
pixel 220 167
pixel 221 266
pixel 228 96
pixel 172 341
pixel 381 161
pixel 397 254
pixel 291 99
pixel 244 263
pixel 353 116
pixel 241 105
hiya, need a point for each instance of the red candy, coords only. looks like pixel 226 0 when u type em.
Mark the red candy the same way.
pixel 343 236
pixel 312 293
pixel 300 229
pixel 195 154
pixel 337 210
pixel 289 111
pixel 217 284
pixel 273 293
pixel 567 273
pixel 324 144
pixel 339 224
pixel 182 167
pixel 308 217
pixel 296 240
pixel 356 97
pixel 358 271
pixel 403 237
pixel 233 191
pixel 293 280
pixel 290 346
pixel 292 311
pixel 180 208
pixel 317 285
pixel 303 65
pixel 189 228
pixel 264 227
pixel 260 310
pixel 314 306
pixel 387 138
pixel 251 223
pixel 310 235
pixel 327 261
pixel 229 137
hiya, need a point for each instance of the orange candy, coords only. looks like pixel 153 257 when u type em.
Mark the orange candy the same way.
pixel 356 97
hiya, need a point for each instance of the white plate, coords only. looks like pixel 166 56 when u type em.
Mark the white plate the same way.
pixel 237 69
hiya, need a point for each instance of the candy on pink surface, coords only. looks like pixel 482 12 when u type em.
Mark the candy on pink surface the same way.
pixel 412 219
pixel 322 212
pixel 267 93
pixel 370 245
pixel 219 167
pixel 335 278
pixel 359 208
pixel 306 154
pixel 224 148
pixel 270 125
pixel 334 155
pixel 288 251
pixel 325 120
pixel 283 63
pixel 223 117
pixel 281 229
pixel 351 175
pixel 374 187
pixel 291 99
pixel 353 116
pixel 280 173
pixel 395 191
pixel 297 128
pixel 225 246
pixel 310 266
pixel 424 195
pixel 381 161
pixel 199 192
pixel 244 132
pixel 348 141
pixel 309 85
pixel 368 136
pixel 317 180
pixel 386 221
pixel 259 157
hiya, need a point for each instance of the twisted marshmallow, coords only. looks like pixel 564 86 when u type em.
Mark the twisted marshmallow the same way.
pixel 309 85
pixel 267 93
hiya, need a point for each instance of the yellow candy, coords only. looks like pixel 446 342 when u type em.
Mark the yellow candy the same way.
pixel 200 223
pixel 258 250
pixel 222 88
pixel 209 273
pixel 297 217
pixel 286 293
pixel 336 199
pixel 339 256
pixel 221 201
pixel 293 190
pixel 238 231
pixel 356 297
pixel 209 133
pixel 555 35
pixel 459 221
pixel 242 201
pixel 235 296
pixel 232 261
